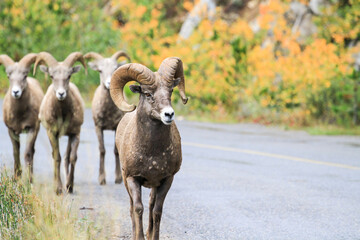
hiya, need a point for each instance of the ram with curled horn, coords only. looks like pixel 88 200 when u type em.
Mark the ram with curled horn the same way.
pixel 21 108
pixel 147 138
pixel 105 113
pixel 62 112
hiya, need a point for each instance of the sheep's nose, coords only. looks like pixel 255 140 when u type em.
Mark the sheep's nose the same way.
pixel 169 114
pixel 16 92
pixel 61 94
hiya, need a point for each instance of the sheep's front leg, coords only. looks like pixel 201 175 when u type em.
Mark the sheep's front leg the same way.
pixel 100 136
pixel 54 141
pixel 161 192
pixel 30 150
pixel 118 178
pixel 67 157
pixel 138 209
pixel 75 140
pixel 15 140
pixel 151 207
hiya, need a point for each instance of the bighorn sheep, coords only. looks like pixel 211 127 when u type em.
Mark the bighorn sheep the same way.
pixel 21 108
pixel 105 113
pixel 147 139
pixel 62 112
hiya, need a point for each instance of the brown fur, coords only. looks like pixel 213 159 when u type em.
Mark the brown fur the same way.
pixel 105 113
pixel 155 150
pixel 106 117
pixel 62 113
pixel 22 115
pixel 63 118
pixel 148 139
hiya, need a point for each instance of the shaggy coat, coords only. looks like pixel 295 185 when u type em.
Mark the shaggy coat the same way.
pixel 21 108
pixel 147 138
pixel 62 113
pixel 105 113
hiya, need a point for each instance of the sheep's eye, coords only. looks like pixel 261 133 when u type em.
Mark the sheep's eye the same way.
pixel 51 76
pixel 100 71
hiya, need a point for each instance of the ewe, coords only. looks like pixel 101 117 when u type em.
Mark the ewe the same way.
pixel 147 139
pixel 62 112
pixel 105 113
pixel 21 108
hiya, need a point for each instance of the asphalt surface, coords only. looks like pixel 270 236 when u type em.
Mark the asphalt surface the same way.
pixel 238 181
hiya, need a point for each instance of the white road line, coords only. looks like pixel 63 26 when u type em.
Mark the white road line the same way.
pixel 272 155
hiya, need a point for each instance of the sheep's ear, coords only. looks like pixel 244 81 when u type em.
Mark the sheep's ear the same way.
pixel 76 69
pixel 93 66
pixel 176 81
pixel 44 69
pixel 135 88
pixel 119 64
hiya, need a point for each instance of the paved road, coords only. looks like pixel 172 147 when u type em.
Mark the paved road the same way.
pixel 238 181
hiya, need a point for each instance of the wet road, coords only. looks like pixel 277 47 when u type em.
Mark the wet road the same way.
pixel 236 182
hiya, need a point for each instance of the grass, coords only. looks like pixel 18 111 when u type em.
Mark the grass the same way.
pixel 333 130
pixel 313 129
pixel 15 207
pixel 35 212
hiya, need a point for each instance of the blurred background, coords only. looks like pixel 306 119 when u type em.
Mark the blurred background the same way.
pixel 271 62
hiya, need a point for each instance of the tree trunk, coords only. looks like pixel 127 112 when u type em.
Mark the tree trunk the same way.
pixel 205 8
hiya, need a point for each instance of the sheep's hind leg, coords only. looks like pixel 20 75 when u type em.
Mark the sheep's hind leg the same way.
pixel 15 140
pixel 102 174
pixel 30 150
pixel 75 139
pixel 161 192
pixel 134 188
pixel 54 141
pixel 149 233
pixel 118 178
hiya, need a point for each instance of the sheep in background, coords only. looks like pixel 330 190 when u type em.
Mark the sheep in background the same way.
pixel 105 113
pixel 62 112
pixel 21 108
pixel 147 139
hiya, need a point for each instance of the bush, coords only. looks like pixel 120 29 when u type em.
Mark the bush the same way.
pixel 59 27
pixel 231 72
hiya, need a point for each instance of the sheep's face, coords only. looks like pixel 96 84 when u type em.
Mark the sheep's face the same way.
pixel 155 100
pixel 60 76
pixel 106 68
pixel 17 76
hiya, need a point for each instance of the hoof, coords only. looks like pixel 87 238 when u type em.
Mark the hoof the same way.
pixel 58 191
pixel 69 188
pixel 17 175
pixel 102 182
pixel 118 180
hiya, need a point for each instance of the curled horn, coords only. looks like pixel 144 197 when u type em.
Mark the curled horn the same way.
pixel 6 60
pixel 128 72
pixel 45 57
pixel 74 57
pixel 172 68
pixel 118 54
pixel 27 60
pixel 93 55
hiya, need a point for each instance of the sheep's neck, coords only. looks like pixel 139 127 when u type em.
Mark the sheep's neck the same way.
pixel 151 132
pixel 65 106
pixel 22 104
